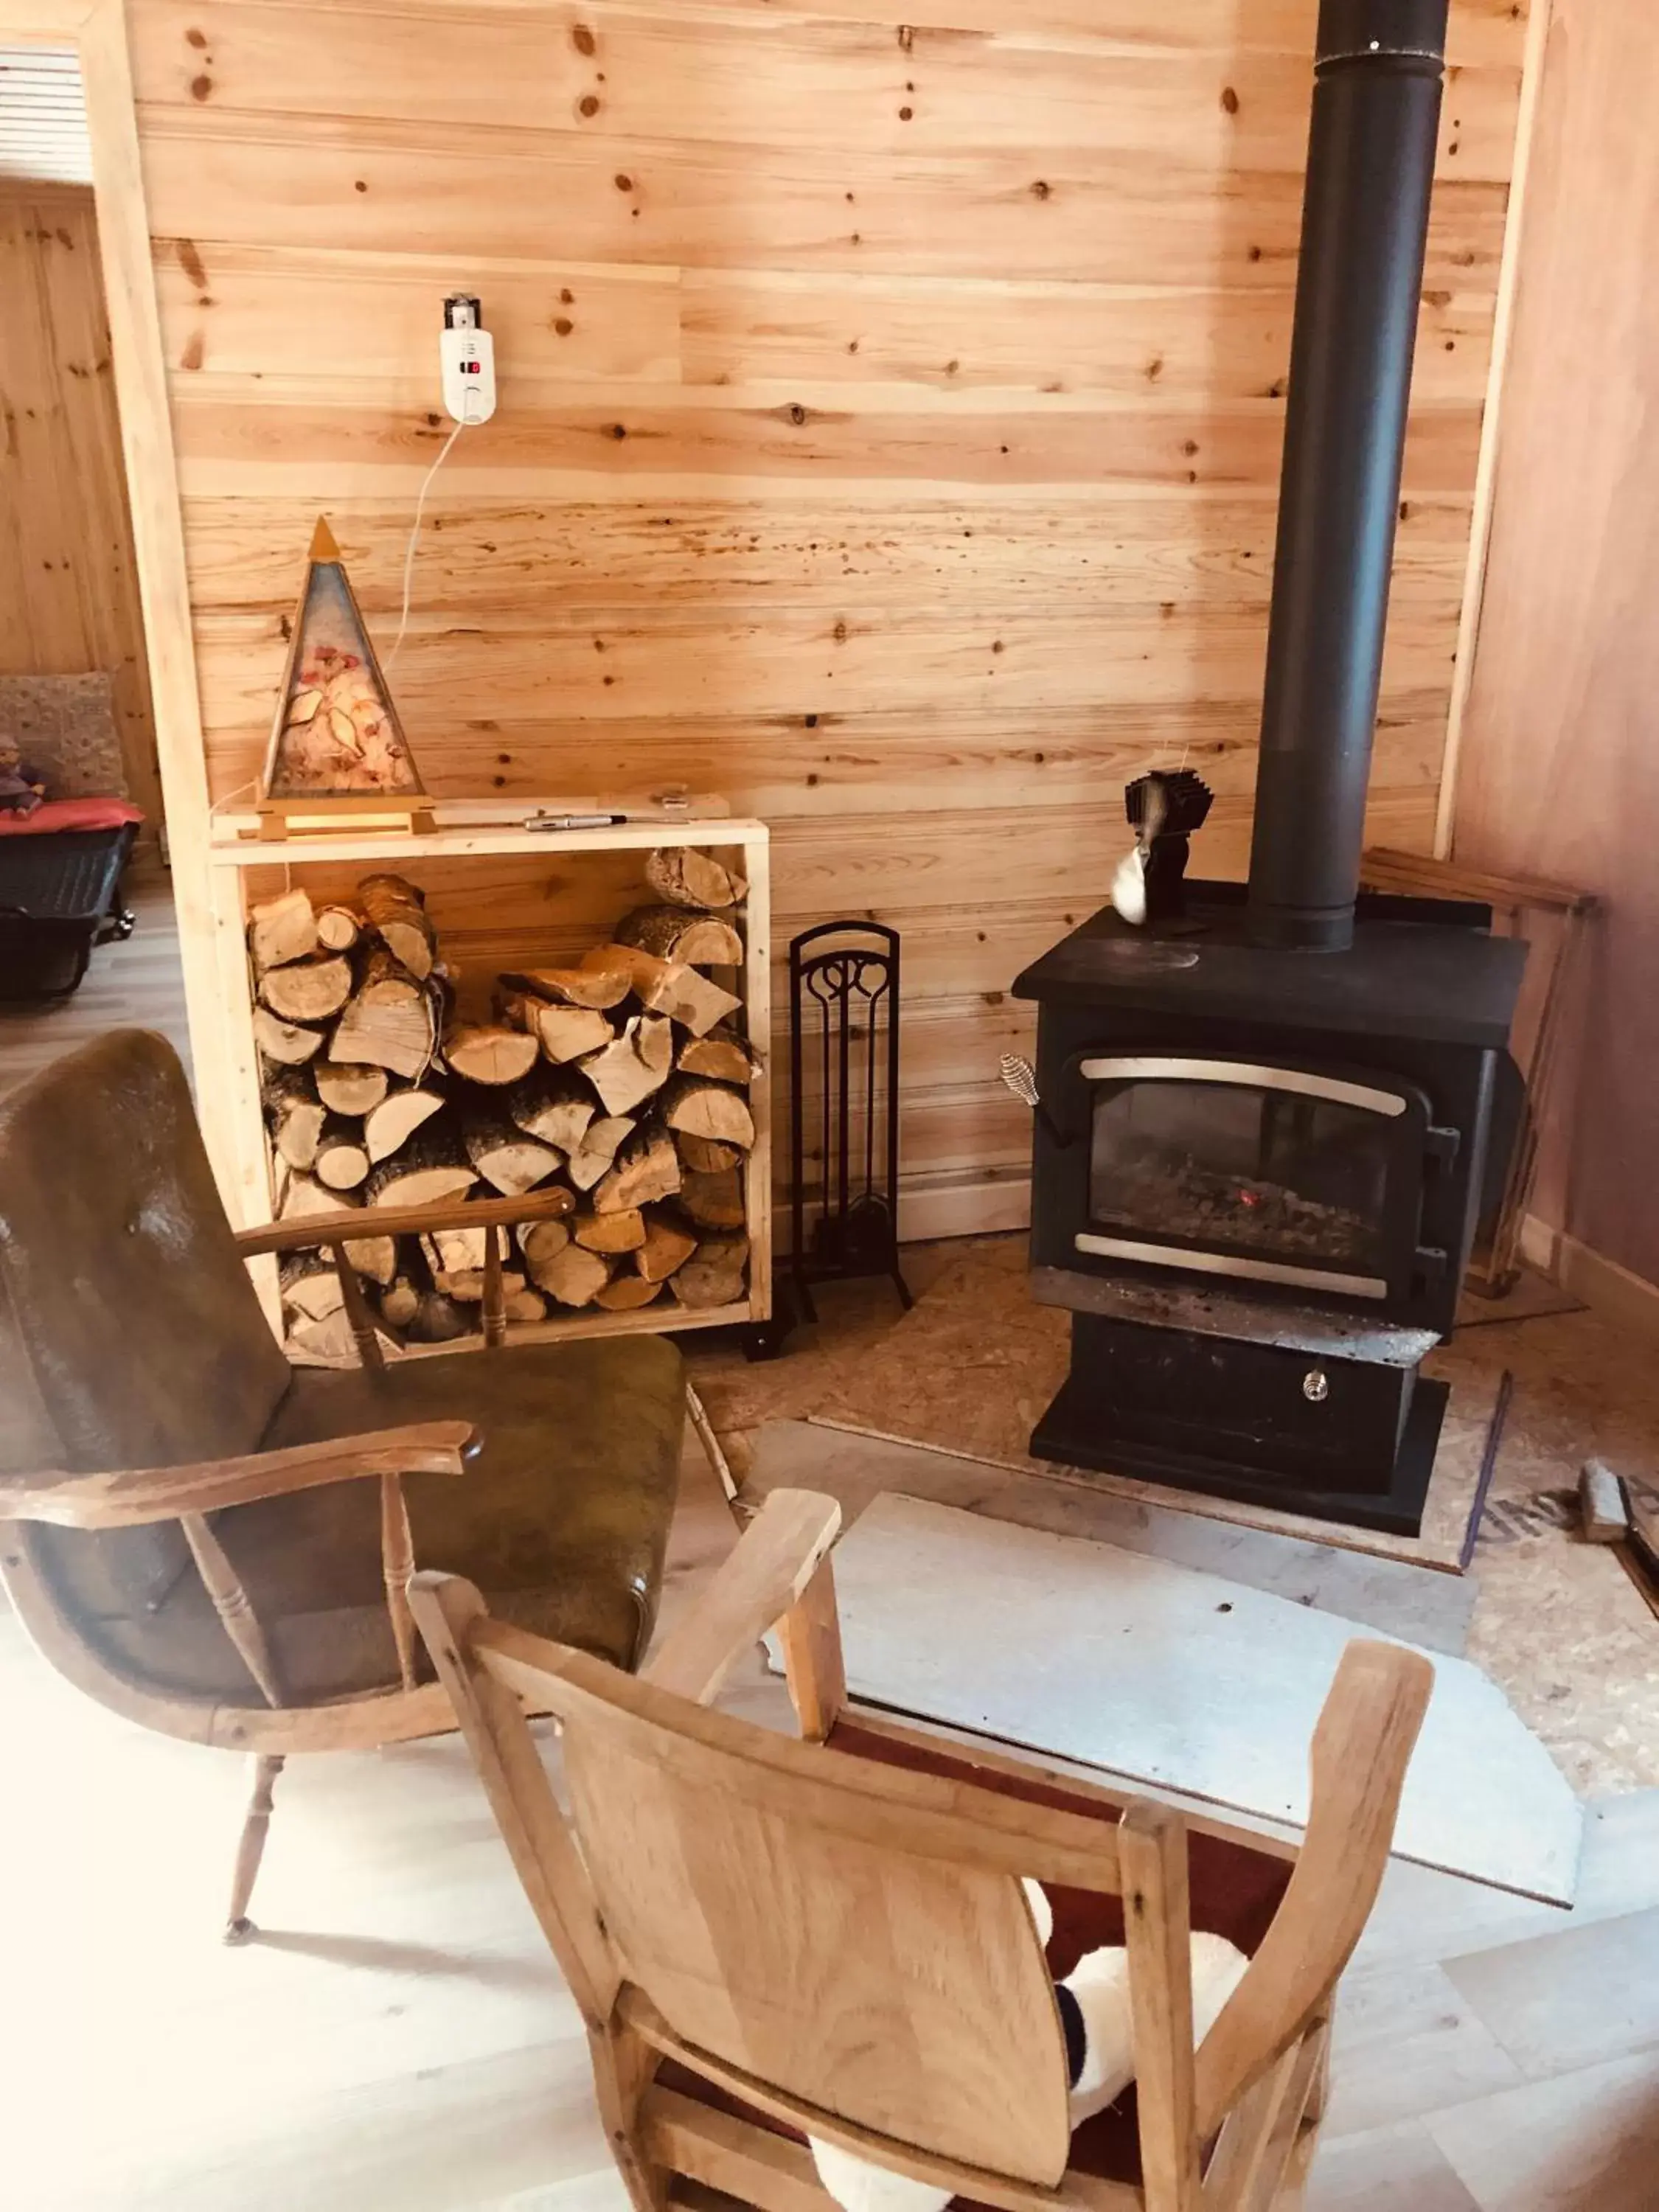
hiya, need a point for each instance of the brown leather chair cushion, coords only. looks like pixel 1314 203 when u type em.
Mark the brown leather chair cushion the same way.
pixel 562 1520
pixel 1235 1892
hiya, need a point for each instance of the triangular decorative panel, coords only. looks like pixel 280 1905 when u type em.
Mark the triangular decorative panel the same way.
pixel 337 732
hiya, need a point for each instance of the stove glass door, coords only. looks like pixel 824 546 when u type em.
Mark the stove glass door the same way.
pixel 1272 1174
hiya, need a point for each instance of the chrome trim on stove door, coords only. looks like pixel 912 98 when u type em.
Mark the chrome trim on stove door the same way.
pixel 1221 1263
pixel 1152 1067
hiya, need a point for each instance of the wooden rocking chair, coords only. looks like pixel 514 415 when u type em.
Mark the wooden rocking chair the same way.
pixel 217 1546
pixel 771 1941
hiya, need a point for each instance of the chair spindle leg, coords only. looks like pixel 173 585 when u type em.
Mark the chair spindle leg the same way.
pixel 249 1852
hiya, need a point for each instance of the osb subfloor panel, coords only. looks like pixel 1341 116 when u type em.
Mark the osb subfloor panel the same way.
pixel 1558 1622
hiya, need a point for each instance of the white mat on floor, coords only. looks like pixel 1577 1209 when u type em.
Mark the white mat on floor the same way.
pixel 1174 1678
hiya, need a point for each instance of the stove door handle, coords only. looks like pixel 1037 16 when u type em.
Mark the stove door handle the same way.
pixel 1019 1076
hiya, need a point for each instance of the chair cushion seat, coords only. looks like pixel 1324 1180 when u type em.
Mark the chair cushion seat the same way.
pixel 1235 1890
pixel 562 1520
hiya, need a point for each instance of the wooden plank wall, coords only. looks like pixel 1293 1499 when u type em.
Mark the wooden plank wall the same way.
pixel 889 429
pixel 1560 770
pixel 69 583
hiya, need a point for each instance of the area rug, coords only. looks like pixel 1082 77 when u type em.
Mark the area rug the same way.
pixel 1158 1674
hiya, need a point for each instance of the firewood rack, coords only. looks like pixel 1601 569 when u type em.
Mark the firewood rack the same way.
pixel 244 864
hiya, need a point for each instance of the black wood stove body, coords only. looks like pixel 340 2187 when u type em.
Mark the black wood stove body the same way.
pixel 1256 1176
pixel 1266 1115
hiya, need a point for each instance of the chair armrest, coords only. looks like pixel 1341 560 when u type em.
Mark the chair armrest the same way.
pixel 349 1223
pixel 130 1498
pixel 762 1579
pixel 1362 1746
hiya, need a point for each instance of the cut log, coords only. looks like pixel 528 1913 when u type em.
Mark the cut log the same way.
pixel 328 1342
pixel 339 927
pixel 706 1155
pixel 676 932
pixel 485 1053
pixel 647 1168
pixel 307 990
pixel 296 1115
pixel 573 1276
pixel 600 984
pixel 455 1251
pixel 400 1302
pixel 722 1055
pixel 686 878
pixel 504 1155
pixel 350 1086
pixel 396 911
pixel 290 1044
pixel 342 1160
pixel 622 1230
pixel 627 1292
pixel 432 1166
pixel 539 1240
pixel 309 1286
pixel 439 1320
pixel 467 1285
pixel 593 1156
pixel 714 1274
pixel 388 1019
pixel 373 1257
pixel 701 1108
pixel 713 1201
pixel 564 1033
pixel 633 1065
pixel 554 1105
pixel 389 1125
pixel 524 1306
pixel 281 929
pixel 666 1247
pixel 669 987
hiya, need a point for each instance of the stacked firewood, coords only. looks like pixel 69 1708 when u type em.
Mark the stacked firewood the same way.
pixel 621 1082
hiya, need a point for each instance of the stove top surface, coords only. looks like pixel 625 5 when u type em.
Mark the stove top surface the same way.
pixel 1411 971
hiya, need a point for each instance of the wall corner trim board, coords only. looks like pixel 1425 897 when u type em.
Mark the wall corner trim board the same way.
pixel 913 490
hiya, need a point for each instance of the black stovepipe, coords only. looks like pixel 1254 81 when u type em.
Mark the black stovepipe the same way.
pixel 1365 221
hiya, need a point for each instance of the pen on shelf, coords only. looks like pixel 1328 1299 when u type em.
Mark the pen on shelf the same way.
pixel 575 821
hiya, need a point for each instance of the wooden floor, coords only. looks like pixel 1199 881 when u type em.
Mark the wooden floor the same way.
pixel 400 2040
pixel 137 983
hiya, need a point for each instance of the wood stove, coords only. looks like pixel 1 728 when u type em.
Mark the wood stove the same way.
pixel 1264 1116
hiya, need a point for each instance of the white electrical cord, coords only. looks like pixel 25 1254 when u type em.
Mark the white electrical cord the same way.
pixel 464 423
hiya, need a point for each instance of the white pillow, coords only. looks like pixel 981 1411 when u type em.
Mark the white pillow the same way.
pixel 1100 1984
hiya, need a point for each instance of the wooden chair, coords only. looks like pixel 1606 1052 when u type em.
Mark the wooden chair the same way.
pixel 773 1940
pixel 219 1546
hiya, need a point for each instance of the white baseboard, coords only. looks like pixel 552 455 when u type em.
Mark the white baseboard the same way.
pixel 966 1205
pixel 1613 1292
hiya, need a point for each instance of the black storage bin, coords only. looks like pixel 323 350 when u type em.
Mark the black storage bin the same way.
pixel 60 895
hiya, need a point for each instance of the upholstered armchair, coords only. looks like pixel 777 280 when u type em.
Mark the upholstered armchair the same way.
pixel 217 1544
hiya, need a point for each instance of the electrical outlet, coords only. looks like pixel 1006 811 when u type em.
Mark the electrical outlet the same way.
pixel 467 358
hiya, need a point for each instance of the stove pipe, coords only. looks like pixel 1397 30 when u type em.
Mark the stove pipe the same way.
pixel 1364 219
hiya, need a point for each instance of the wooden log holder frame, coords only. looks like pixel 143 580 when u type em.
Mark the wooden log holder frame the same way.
pixel 233 1117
